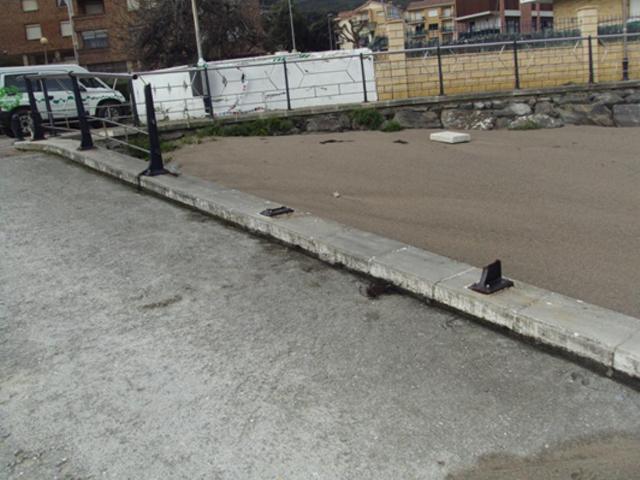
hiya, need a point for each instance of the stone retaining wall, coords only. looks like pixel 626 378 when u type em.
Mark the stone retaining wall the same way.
pixel 608 108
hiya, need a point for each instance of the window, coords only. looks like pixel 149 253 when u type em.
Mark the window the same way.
pixel 95 39
pixel 65 28
pixel 17 81
pixel 433 27
pixel 93 7
pixel 59 85
pixel 433 12
pixel 34 32
pixel 29 5
pixel 446 12
pixel 133 4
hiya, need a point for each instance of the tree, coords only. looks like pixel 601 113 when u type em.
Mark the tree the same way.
pixel 310 28
pixel 350 32
pixel 162 32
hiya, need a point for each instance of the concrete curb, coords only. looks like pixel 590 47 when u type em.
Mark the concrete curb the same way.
pixel 603 336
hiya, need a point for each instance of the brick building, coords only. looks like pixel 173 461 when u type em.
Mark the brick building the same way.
pixel 97 27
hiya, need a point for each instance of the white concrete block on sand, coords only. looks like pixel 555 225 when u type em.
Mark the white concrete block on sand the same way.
pixel 450 137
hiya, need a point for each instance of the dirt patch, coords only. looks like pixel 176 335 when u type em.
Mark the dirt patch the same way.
pixel 608 458
pixel 559 207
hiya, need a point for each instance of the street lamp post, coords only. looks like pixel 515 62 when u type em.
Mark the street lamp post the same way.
pixel 74 37
pixel 293 32
pixel 44 41
pixel 196 25
pixel 329 17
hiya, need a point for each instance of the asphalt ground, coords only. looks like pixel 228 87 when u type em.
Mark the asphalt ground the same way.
pixel 141 340
pixel 560 208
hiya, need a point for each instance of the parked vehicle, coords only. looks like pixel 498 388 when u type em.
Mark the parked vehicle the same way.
pixel 98 98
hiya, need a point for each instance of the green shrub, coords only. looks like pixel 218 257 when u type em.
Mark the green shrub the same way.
pixel 392 126
pixel 369 118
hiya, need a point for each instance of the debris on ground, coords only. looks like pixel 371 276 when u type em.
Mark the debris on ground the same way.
pixel 336 194
pixel 402 142
pixel 450 137
pixel 333 140
pixel 375 289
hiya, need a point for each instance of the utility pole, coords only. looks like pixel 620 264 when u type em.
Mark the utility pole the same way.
pixel 293 32
pixel 196 24
pixel 74 36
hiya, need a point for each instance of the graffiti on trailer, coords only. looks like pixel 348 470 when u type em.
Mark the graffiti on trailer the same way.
pixel 9 98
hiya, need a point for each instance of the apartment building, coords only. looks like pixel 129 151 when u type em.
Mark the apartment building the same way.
pixel 607 9
pixel 430 20
pixel 91 32
pixel 501 16
pixel 365 26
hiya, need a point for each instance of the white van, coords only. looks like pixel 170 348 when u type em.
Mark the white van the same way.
pixel 99 100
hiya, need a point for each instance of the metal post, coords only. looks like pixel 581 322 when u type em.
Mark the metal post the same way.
pixel 37 133
pixel 329 17
pixel 364 78
pixel 625 44
pixel 196 26
pixel 208 105
pixel 156 167
pixel 286 83
pixel 47 102
pixel 293 32
pixel 132 101
pixel 515 63
pixel 86 142
pixel 591 76
pixel 16 128
pixel 440 77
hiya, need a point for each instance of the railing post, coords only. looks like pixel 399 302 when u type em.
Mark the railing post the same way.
pixel 440 77
pixel 286 83
pixel 364 78
pixel 132 101
pixel 591 75
pixel 37 132
pixel 516 68
pixel 156 167
pixel 47 102
pixel 208 104
pixel 86 142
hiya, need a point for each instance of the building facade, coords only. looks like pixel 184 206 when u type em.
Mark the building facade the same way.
pixel 501 16
pixel 607 9
pixel 90 32
pixel 430 20
pixel 365 26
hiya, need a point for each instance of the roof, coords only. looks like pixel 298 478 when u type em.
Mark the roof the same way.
pixel 421 4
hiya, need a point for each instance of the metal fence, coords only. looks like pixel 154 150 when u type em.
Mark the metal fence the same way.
pixel 90 121
pixel 507 65
pixel 219 90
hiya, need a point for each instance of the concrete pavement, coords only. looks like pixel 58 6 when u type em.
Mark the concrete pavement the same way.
pixel 142 340
pixel 607 338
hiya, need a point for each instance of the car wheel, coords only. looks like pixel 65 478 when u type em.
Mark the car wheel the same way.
pixel 21 118
pixel 110 111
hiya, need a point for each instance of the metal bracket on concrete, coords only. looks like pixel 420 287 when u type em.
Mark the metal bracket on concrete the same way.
pixel 274 212
pixel 491 280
